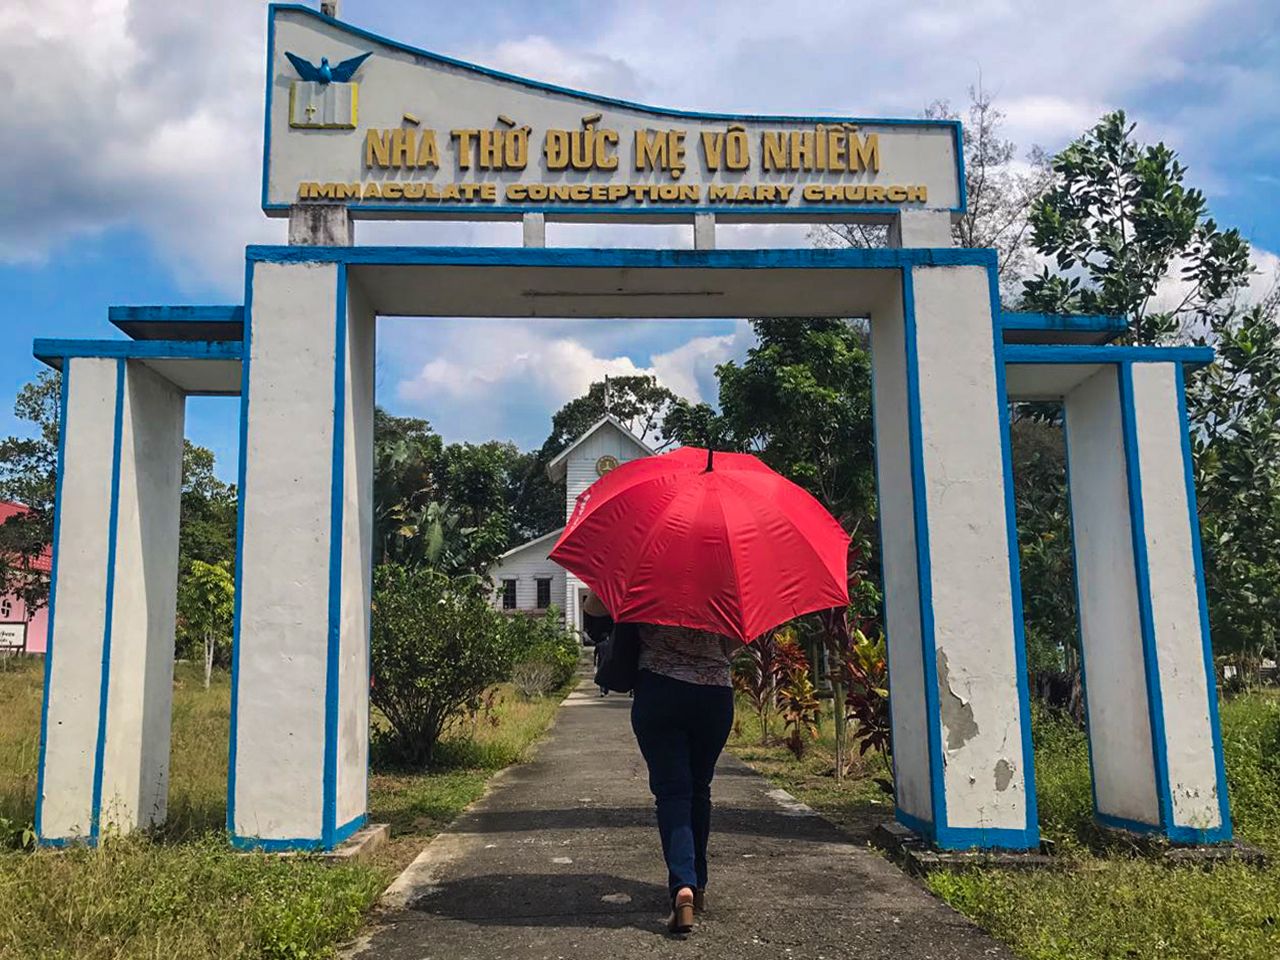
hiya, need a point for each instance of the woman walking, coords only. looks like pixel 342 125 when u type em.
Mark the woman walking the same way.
pixel 682 715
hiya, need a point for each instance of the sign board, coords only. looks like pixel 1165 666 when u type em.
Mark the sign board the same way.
pixel 393 132
pixel 13 636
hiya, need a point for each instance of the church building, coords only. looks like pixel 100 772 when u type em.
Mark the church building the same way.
pixel 524 578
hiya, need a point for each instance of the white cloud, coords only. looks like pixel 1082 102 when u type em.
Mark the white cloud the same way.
pixel 140 113
pixel 690 369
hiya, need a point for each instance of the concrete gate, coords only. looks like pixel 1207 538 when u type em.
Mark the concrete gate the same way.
pixel 358 126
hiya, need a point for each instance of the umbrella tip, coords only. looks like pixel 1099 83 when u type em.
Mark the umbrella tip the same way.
pixel 710 464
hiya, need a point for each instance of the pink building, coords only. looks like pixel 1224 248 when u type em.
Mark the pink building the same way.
pixel 20 632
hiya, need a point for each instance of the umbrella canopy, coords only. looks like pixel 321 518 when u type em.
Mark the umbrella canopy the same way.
pixel 709 541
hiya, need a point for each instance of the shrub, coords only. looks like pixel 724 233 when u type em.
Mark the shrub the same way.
pixel 544 641
pixel 437 645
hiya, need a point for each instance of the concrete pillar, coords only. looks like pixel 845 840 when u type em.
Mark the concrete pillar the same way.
pixel 1155 748
pixel 921 228
pixel 704 231
pixel 104 750
pixel 320 225
pixel 960 710
pixel 533 228
pixel 299 724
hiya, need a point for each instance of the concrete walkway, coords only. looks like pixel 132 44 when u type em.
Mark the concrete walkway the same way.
pixel 561 860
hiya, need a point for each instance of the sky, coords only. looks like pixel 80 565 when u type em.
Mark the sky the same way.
pixel 130 145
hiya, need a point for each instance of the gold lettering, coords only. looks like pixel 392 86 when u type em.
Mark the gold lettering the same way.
pixel 371 191
pixel 490 149
pixel 413 191
pixel 773 150
pixel 875 194
pixel 803 147
pixel 391 191
pixel 712 148
pixel 464 138
pixel 918 194
pixel 719 192
pixel 516 154
pixel 784 192
pixel 813 192
pixel 650 153
pixel 347 191
pixel 836 144
pixel 556 149
pixel 737 153
pixel 428 152
pixel 489 192
pixel 517 192
pixel 606 142
pixel 377 148
pixel 864 153
pixel 896 194
pixel 402 152
pixel 450 192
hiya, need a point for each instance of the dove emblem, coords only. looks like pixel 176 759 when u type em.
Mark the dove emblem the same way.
pixel 324 98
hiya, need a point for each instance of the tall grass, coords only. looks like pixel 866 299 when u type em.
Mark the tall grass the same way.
pixel 182 892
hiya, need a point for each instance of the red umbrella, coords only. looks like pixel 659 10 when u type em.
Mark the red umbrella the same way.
pixel 722 544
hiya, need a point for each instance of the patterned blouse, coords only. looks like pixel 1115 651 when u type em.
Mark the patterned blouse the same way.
pixel 694 656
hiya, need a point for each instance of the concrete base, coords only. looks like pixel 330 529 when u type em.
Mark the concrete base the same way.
pixel 916 856
pixel 1155 847
pixel 361 845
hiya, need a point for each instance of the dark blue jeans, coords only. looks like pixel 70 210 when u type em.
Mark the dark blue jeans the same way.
pixel 681 728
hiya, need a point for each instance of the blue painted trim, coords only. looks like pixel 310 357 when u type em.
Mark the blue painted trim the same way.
pixel 954 127
pixel 99 753
pixel 171 313
pixel 237 639
pixel 1065 322
pixel 1224 830
pixel 924 574
pixel 880 258
pixel 64 391
pixel 1142 574
pixel 1075 572
pixel 911 822
pixel 344 832
pixel 1015 568
pixel 1194 357
pixel 48 350
pixel 260 845
pixel 337 499
pixel 1124 823
pixel 1001 838
pixel 305 844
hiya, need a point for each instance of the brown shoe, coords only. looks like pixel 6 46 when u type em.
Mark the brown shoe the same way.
pixel 699 899
pixel 681 920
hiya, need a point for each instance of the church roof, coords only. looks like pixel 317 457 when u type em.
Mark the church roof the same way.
pixel 557 468
pixel 534 542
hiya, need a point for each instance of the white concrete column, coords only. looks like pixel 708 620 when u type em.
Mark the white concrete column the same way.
pixel 921 228
pixel 960 707
pixel 104 754
pixel 1155 749
pixel 301 678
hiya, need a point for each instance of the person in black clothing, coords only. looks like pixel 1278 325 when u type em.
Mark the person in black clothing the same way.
pixel 598 625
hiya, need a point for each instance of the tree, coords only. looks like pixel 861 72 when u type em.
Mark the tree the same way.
pixel 207 530
pixel 1121 225
pixel 801 401
pixel 29 475
pixel 437 645
pixel 1000 190
pixel 638 402
pixel 1129 237
pixel 206 604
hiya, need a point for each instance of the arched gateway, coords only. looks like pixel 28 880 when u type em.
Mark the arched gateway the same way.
pixel 358 126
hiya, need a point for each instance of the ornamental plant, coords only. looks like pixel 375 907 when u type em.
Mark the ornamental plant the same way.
pixel 437 647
